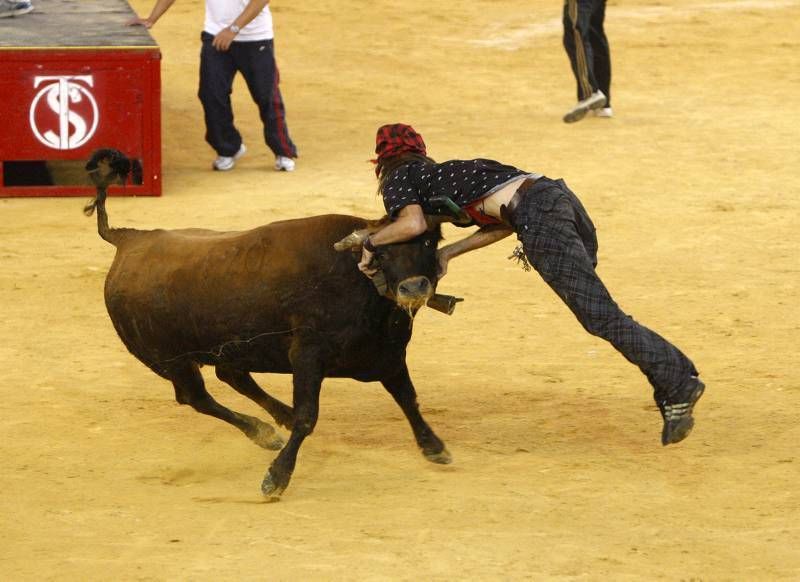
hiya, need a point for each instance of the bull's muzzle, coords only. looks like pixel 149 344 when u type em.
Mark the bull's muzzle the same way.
pixel 414 292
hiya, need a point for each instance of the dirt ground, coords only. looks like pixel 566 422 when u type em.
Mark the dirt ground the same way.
pixel 558 472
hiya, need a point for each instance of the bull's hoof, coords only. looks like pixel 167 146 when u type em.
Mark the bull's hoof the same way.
pixel 442 458
pixel 270 489
pixel 266 437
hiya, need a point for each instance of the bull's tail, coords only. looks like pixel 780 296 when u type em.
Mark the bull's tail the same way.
pixel 99 203
pixel 105 167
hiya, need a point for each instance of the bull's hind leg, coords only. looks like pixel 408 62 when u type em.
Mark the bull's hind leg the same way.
pixel 190 389
pixel 244 384
pixel 402 390
pixel 307 382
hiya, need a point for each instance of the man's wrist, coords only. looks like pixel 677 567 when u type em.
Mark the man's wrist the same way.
pixel 234 29
pixel 368 245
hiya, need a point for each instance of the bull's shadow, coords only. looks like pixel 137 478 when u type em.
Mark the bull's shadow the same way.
pixel 286 298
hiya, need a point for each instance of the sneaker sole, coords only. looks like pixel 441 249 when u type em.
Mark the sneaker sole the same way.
pixel 578 114
pixel 675 433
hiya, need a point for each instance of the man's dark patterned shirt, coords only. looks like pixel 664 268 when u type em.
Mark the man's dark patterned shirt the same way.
pixel 463 181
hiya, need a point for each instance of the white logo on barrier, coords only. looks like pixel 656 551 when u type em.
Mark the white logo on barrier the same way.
pixel 76 114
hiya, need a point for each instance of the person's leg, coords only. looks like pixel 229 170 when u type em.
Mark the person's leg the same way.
pixel 559 241
pixel 217 71
pixel 600 51
pixel 577 42
pixel 256 62
pixel 576 20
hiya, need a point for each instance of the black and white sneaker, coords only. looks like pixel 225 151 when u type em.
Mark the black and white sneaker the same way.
pixel 284 164
pixel 676 409
pixel 596 100
pixel 225 163
pixel 14 8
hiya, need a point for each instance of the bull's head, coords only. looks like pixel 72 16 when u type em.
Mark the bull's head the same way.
pixel 407 271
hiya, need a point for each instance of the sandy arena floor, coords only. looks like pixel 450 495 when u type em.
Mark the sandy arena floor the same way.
pixel 558 473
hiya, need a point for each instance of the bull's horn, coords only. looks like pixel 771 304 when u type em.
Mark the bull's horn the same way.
pixel 352 241
pixel 434 220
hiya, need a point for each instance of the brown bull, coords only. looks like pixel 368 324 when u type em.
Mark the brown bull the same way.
pixel 277 298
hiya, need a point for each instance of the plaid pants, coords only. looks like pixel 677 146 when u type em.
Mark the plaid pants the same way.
pixel 559 240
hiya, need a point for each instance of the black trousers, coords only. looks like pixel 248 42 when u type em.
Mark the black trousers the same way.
pixel 559 240
pixel 256 62
pixel 587 46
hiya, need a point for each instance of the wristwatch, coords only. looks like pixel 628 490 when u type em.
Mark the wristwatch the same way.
pixel 234 29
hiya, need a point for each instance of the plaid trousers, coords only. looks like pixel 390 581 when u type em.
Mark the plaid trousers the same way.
pixel 559 240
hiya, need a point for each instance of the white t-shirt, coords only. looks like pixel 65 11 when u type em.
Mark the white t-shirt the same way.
pixel 221 14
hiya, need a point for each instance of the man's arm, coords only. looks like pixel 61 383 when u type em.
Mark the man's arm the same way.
pixel 481 238
pixel 222 41
pixel 158 10
pixel 410 223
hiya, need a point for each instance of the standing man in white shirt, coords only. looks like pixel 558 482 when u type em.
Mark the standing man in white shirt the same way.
pixel 237 37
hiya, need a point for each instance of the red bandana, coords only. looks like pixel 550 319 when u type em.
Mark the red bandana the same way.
pixel 396 139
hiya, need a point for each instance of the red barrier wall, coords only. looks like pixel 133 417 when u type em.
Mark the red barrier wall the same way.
pixel 77 78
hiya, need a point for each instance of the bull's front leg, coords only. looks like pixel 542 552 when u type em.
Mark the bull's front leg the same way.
pixel 401 388
pixel 307 382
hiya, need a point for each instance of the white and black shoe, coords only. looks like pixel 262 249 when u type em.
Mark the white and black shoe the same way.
pixel 676 410
pixel 225 163
pixel 596 100
pixel 606 112
pixel 284 164
pixel 13 8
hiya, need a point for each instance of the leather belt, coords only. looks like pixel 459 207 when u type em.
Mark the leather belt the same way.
pixel 510 209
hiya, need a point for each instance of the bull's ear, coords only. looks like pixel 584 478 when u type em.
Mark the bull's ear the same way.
pixel 352 241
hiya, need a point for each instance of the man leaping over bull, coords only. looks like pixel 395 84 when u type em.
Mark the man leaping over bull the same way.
pixel 558 239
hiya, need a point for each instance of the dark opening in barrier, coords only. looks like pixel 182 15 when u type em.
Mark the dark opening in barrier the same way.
pixel 53 173
pixel 27 173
